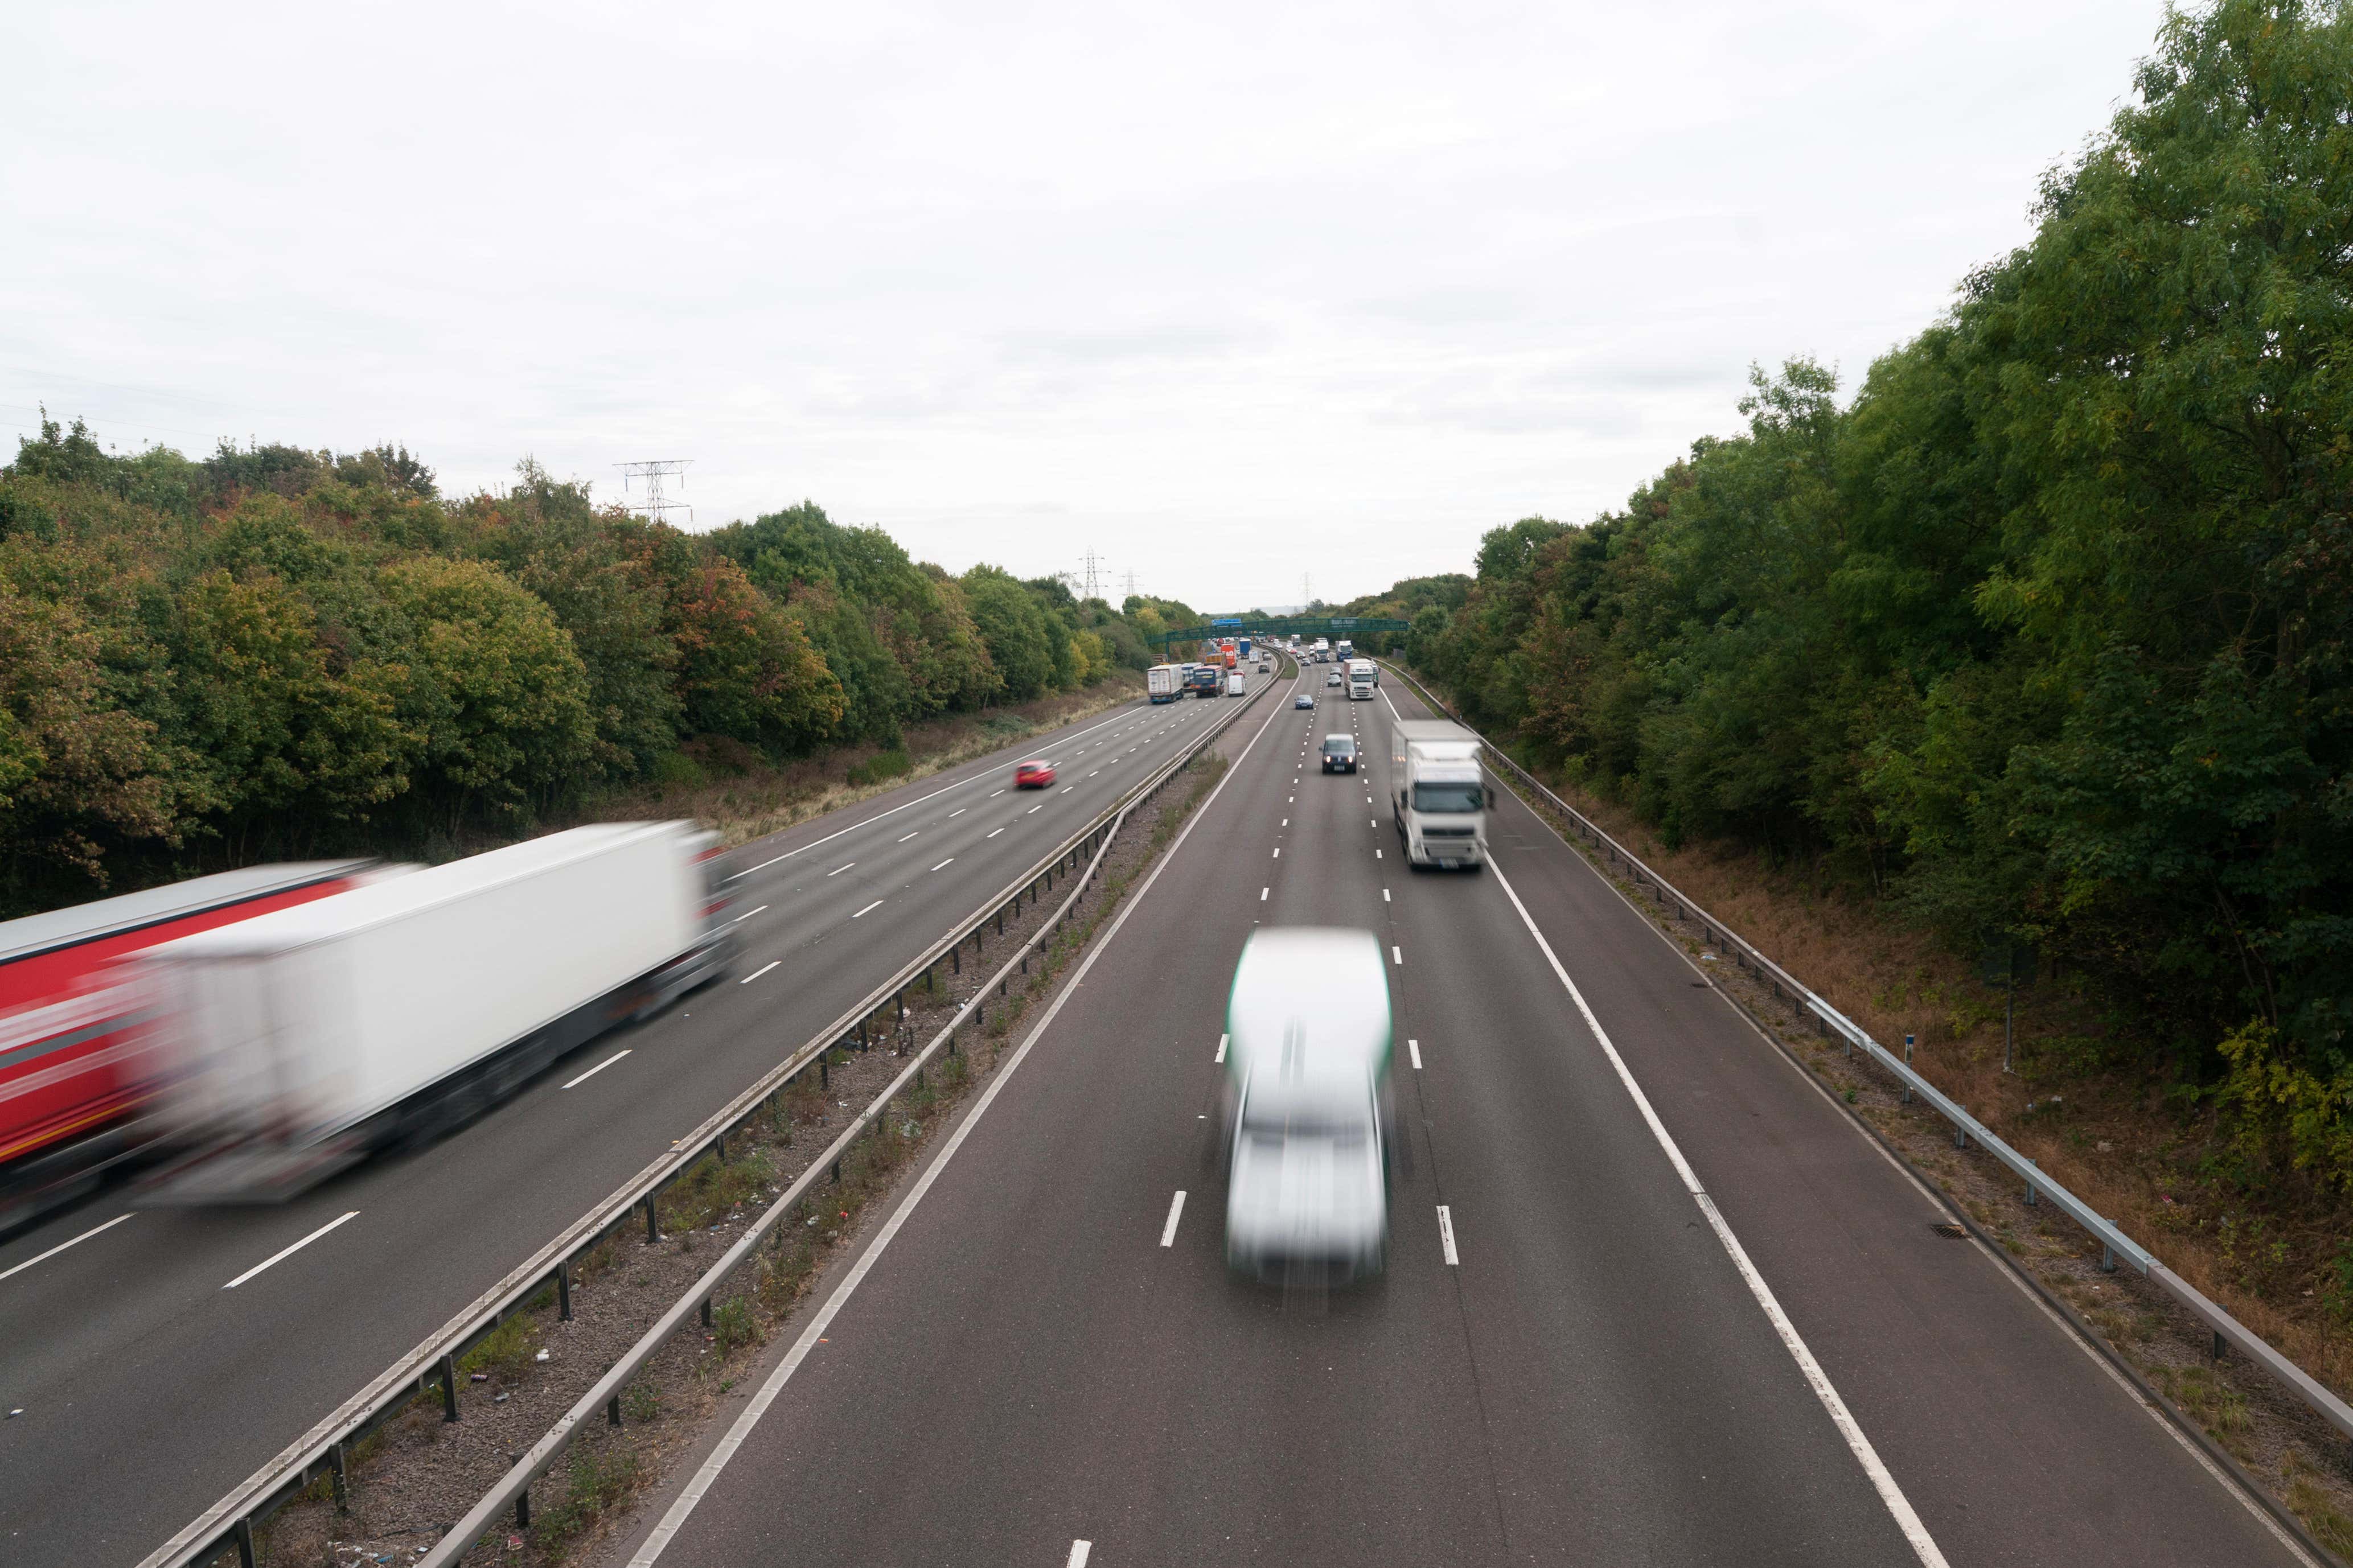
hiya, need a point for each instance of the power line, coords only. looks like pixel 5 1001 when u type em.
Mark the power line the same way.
pixel 653 471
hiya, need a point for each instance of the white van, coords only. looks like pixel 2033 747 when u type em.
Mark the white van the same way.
pixel 1307 1110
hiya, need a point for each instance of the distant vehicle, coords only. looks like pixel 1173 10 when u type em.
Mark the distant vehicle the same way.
pixel 1234 683
pixel 1363 677
pixel 1266 667
pixel 1165 683
pixel 302 1039
pixel 1303 700
pixel 1339 753
pixel 1206 679
pixel 1332 680
pixel 1035 774
pixel 1438 795
pixel 78 1080
pixel 1307 1105
pixel 1242 646
pixel 1344 651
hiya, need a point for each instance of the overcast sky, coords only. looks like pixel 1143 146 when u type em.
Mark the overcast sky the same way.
pixel 1226 293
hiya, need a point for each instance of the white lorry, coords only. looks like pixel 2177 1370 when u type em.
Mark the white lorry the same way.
pixel 301 1039
pixel 1323 651
pixel 1165 683
pixel 1438 795
pixel 1364 674
pixel 1233 683
pixel 1307 1105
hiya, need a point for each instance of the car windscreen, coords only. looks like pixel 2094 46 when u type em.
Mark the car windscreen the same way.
pixel 1340 746
pixel 1448 797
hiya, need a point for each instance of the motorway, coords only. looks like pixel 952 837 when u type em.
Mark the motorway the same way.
pixel 160 1357
pixel 1652 1298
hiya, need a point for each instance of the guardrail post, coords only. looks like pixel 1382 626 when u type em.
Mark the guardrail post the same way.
pixel 522 1507
pixel 339 1464
pixel 823 1072
pixel 2107 1258
pixel 2031 1199
pixel 653 1225
pixel 2219 1345
pixel 955 959
pixel 706 1312
pixel 448 1388
pixel 564 1291
pixel 1907 1062
pixel 613 1411
pixel 719 1147
pixel 1000 921
pixel 245 1542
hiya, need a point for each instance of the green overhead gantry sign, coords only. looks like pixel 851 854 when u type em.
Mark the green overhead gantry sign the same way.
pixel 1282 625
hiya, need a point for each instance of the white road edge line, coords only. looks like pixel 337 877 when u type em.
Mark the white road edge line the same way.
pixel 892 812
pixel 759 971
pixel 1446 1236
pixel 1175 1209
pixel 118 1219
pixel 1413 1049
pixel 608 1061
pixel 875 905
pixel 667 1531
pixel 1923 1545
pixel 281 1255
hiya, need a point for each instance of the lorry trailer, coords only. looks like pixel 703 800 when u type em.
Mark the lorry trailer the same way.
pixel 1438 795
pixel 300 1040
pixel 1363 677
pixel 1163 682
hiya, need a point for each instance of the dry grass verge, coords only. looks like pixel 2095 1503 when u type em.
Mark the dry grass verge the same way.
pixel 744 798
pixel 417 1474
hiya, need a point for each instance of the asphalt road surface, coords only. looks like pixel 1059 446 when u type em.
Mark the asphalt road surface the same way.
pixel 1042 1357
pixel 149 1387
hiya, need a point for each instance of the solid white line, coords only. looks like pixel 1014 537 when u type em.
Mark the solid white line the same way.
pixel 1413 1049
pixel 1175 1207
pixel 949 861
pixel 1396 955
pixel 747 914
pixel 880 814
pixel 910 836
pixel 1923 1545
pixel 875 905
pixel 280 1256
pixel 118 1219
pixel 1221 1056
pixel 838 870
pixel 1446 1236
pixel 704 1479
pixel 1079 1550
pixel 608 1061
pixel 759 971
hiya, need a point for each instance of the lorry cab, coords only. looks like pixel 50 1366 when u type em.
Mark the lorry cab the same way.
pixel 1437 794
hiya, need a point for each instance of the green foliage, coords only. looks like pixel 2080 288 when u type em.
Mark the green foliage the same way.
pixel 276 652
pixel 2048 634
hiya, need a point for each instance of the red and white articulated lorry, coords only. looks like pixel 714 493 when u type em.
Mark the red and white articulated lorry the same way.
pixel 79 1076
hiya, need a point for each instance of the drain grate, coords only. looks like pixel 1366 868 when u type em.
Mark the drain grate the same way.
pixel 1950 1231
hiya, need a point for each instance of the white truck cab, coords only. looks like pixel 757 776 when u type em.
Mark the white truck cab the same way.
pixel 1438 794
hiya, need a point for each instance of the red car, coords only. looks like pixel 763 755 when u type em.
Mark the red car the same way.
pixel 1036 773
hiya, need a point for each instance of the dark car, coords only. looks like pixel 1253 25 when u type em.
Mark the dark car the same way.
pixel 1339 753
pixel 1303 700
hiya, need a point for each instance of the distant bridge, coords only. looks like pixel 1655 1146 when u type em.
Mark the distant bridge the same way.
pixel 1280 626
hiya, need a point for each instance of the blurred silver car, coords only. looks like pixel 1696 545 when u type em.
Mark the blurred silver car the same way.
pixel 1308 1174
